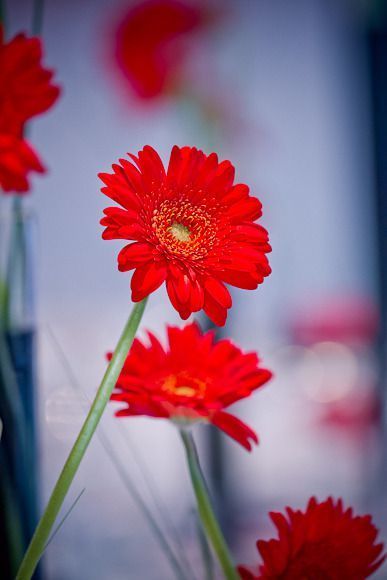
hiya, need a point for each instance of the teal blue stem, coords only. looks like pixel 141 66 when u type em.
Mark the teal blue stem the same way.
pixel 3 14
pixel 37 17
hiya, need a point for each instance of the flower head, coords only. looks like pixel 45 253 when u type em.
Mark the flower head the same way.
pixel 149 47
pixel 326 542
pixel 193 229
pixel 17 160
pixel 194 379
pixel 26 89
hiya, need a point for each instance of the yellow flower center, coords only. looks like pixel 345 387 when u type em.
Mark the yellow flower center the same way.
pixel 184 386
pixel 180 232
pixel 183 229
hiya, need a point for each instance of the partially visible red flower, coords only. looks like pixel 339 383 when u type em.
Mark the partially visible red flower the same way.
pixel 194 229
pixel 150 45
pixel 352 320
pixel 194 379
pixel 326 542
pixel 26 89
pixel 17 160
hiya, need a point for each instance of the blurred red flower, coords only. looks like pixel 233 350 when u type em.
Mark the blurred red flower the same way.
pixel 324 542
pixel 193 380
pixel 150 43
pixel 17 160
pixel 194 229
pixel 26 89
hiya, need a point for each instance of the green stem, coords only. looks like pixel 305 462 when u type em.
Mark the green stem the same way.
pixel 206 513
pixel 42 532
pixel 205 550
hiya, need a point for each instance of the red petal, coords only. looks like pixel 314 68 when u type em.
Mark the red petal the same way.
pixel 235 428
pixel 215 311
pixel 147 279
pixel 244 280
pixel 134 255
pixel 218 292
pixel 181 308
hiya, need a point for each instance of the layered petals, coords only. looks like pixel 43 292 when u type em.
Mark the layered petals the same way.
pixel 191 226
pixel 194 379
pixel 325 541
pixel 26 88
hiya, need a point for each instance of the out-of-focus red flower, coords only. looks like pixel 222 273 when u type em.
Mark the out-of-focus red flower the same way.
pixel 193 380
pixel 326 542
pixel 354 416
pixel 346 319
pixel 194 229
pixel 26 89
pixel 151 43
pixel 17 160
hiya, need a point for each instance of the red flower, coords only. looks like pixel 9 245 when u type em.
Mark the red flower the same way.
pixel 25 91
pixel 17 160
pixel 193 228
pixel 325 542
pixel 193 380
pixel 149 48
pixel 25 86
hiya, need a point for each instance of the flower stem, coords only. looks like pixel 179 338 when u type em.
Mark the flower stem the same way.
pixel 2 13
pixel 206 513
pixel 44 527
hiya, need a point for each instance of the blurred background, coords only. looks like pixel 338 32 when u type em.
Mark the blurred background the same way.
pixel 294 94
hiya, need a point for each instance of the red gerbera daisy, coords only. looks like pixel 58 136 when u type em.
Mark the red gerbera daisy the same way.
pixel 17 160
pixel 326 542
pixel 146 43
pixel 25 86
pixel 193 380
pixel 194 229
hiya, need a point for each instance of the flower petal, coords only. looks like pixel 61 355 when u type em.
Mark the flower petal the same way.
pixel 147 279
pixel 235 428
pixel 134 255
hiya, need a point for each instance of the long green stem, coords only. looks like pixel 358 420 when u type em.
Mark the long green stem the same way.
pixel 207 516
pixel 42 532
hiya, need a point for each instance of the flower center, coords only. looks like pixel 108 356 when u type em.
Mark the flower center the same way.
pixel 180 232
pixel 183 229
pixel 183 385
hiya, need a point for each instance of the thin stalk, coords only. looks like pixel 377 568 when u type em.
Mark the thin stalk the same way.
pixel 37 17
pixel 3 14
pixel 158 502
pixel 157 531
pixel 206 513
pixel 16 268
pixel 205 550
pixel 62 521
pixel 42 532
